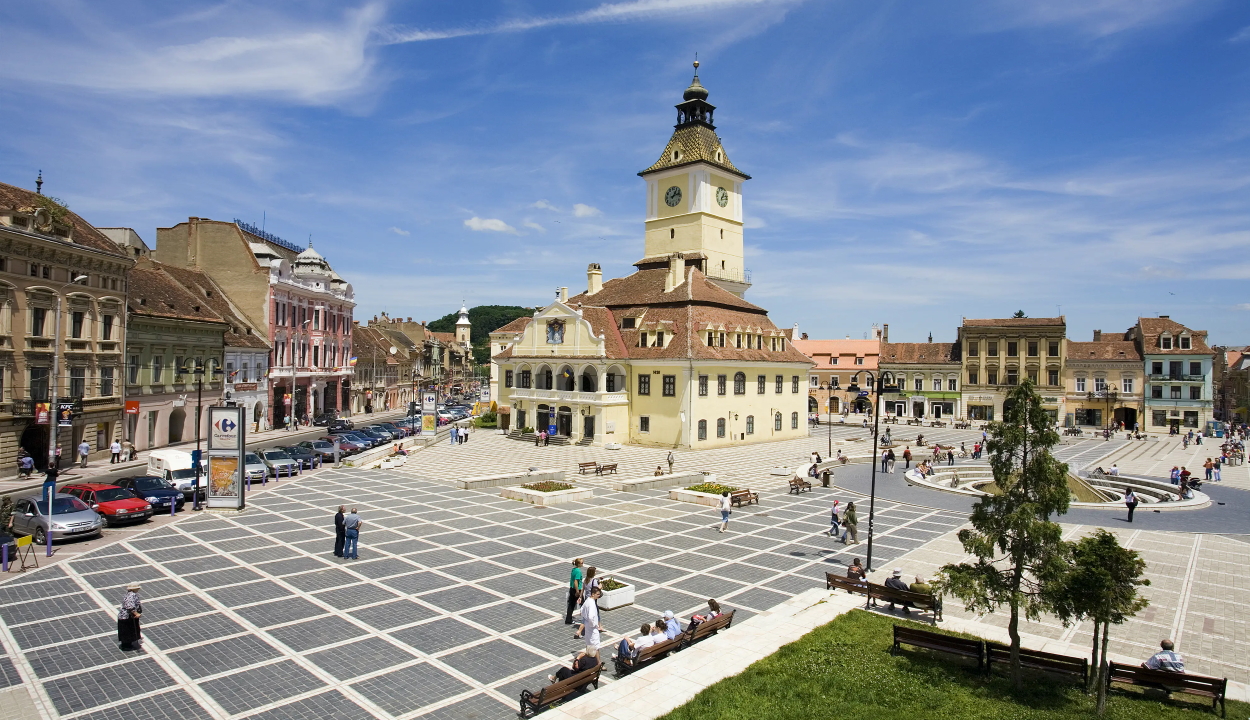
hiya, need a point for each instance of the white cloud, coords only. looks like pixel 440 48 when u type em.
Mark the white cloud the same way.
pixel 400 231
pixel 1242 34
pixel 754 222
pixel 580 210
pixel 544 205
pixel 489 224
pixel 534 226
pixel 1098 18
pixel 1242 306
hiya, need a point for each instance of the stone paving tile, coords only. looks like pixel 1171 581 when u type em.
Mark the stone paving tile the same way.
pixel 409 688
pixel 281 611
pixel 252 592
pixel 459 598
pixel 13 592
pixel 438 635
pixel 506 616
pixel 222 577
pixel 324 630
pixel 417 582
pixel 475 571
pixel 174 704
pixel 240 692
pixel 477 707
pixel 81 655
pixel 332 704
pixel 361 657
pixel 73 627
pixel 18 613
pixel 97 687
pixel 159 608
pixel 320 580
pixel 213 658
pixel 492 661
pixel 393 614
pixel 187 631
pixel 516 584
pixel 8 673
pixel 661 599
pixel 291 566
pixel 159 586
pixel 384 567
pixel 440 558
pixel 755 599
pixel 108 562
pixel 353 596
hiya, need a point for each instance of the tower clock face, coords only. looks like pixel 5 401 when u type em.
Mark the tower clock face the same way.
pixel 722 197
pixel 672 196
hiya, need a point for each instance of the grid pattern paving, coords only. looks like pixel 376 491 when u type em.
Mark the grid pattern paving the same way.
pixel 455 605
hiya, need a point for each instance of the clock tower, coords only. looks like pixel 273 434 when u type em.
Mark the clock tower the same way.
pixel 694 197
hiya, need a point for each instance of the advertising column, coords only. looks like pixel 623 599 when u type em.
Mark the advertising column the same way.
pixel 226 446
pixel 429 413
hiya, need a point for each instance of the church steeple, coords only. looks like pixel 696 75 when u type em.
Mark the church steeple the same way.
pixel 696 108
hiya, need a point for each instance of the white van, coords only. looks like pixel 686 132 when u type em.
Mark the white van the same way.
pixel 175 467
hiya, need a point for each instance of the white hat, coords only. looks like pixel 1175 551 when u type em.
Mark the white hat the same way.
pixel 898 571
pixel 668 614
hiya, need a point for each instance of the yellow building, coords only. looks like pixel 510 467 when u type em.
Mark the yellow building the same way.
pixel 1104 382
pixel 999 353
pixel 670 356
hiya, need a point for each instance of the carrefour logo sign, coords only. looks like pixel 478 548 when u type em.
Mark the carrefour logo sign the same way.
pixel 225 425
pixel 225 432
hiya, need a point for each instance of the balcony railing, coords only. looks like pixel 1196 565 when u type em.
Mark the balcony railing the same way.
pixel 1178 378
pixel 598 398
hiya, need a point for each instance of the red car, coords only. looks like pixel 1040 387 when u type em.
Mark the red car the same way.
pixel 115 505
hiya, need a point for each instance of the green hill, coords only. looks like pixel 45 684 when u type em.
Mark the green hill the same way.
pixel 486 319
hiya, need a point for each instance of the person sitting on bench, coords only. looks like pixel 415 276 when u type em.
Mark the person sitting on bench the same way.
pixel 581 663
pixel 672 625
pixel 895 581
pixel 628 649
pixel 659 471
pixel 1167 659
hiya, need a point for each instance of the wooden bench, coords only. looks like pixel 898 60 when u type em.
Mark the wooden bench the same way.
pixel 605 469
pixel 1211 687
pixel 914 421
pixel 534 703
pixel 737 498
pixel 839 582
pixel 583 467
pixel 647 655
pixel 1038 660
pixel 707 628
pixel 920 601
pixel 798 485
pixel 937 641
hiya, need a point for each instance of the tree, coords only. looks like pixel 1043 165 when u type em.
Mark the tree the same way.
pixel 1017 546
pixel 486 319
pixel 1019 314
pixel 1100 584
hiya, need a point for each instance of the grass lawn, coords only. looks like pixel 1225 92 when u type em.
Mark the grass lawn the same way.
pixel 845 670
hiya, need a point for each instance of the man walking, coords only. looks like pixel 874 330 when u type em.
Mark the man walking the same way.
pixel 340 532
pixel 351 535
pixel 83 451
pixel 885 460
pixel 590 622
pixel 907 458
pixel 671 460
pixel 115 449
pixel 850 524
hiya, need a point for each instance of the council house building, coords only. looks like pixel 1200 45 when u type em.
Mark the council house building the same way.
pixel 672 355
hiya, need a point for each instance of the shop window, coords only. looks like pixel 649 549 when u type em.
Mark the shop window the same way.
pixel 1191 419
pixel 1159 418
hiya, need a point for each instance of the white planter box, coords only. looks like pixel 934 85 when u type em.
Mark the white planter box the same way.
pixel 699 498
pixel 537 497
pixel 612 446
pixel 620 597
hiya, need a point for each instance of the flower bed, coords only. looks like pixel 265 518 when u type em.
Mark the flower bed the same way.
pixel 548 486
pixel 712 488
pixel 611 584
pixel 615 594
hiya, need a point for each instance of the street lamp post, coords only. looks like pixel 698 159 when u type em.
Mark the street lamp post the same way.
pixel 830 386
pixel 1111 396
pixel 199 372
pixel 54 414
pixel 878 385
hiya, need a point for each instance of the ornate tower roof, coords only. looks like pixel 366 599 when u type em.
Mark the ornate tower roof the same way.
pixel 464 316
pixel 694 137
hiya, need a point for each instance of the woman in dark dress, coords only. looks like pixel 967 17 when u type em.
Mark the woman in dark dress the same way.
pixel 128 619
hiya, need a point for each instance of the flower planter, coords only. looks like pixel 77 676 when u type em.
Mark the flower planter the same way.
pixel 620 597
pixel 538 497
pixel 700 498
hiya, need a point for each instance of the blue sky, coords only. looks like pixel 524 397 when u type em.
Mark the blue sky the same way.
pixel 913 162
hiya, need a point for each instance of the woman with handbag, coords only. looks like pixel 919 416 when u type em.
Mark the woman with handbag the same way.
pixel 725 506
pixel 128 634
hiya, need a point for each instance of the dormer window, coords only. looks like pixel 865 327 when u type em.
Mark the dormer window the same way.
pixel 659 339
pixel 1165 342
pixel 1185 342
pixel 711 339
pixel 676 155
pixel 642 339
pixel 629 323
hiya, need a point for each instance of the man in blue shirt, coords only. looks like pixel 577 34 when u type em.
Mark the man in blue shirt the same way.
pixel 1167 659
pixel 672 626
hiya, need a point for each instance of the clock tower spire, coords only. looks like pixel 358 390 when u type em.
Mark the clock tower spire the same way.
pixel 694 197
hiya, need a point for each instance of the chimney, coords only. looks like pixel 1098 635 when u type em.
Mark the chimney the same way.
pixel 885 332
pixel 876 332
pixel 594 279
pixel 804 336
pixel 564 294
pixel 676 262
pixel 1165 317
pixel 1098 336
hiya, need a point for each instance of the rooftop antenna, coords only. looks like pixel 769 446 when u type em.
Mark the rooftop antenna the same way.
pixel 264 215
pixel 39 183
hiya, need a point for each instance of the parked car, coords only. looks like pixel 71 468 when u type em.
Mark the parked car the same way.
pixel 325 419
pixel 114 504
pixel 396 429
pixel 303 456
pixel 323 449
pixel 363 438
pixel 255 468
pixel 340 424
pixel 154 490
pixel 278 462
pixel 387 435
pixel 71 517
pixel 175 466
pixel 377 437
pixel 347 446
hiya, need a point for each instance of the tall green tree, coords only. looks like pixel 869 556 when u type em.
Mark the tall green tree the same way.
pixel 485 320
pixel 1018 547
pixel 1100 585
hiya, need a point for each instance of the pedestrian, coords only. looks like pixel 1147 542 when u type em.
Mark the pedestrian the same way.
pixel 546 438
pixel 128 450
pixel 340 532
pixel 907 458
pixel 590 622
pixel 128 633
pixel 25 466
pixel 1130 501
pixel 1207 468
pixel 538 438
pixel 950 456
pixel 671 460
pixel 850 524
pixel 834 520
pixel 725 506
pixel 452 434
pixel 1184 474
pixel 6 520
pixel 115 450
pixel 855 572
pixel 591 583
pixel 57 456
pixel 351 535
pixel 84 450
pixel 1215 467
pixel 575 590
pixel 885 460
pixel 890 460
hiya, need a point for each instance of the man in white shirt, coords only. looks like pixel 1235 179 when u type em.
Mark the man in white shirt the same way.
pixel 116 451
pixel 590 622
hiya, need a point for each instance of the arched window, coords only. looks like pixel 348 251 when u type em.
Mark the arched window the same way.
pixel 750 424
pixel 703 429
pixel 740 383
pixel 720 427
pixel 777 421
pixel 794 421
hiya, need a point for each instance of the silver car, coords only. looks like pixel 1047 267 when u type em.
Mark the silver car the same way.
pixel 279 463
pixel 255 468
pixel 71 517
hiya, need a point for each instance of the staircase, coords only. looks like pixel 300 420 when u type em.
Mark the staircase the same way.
pixel 529 438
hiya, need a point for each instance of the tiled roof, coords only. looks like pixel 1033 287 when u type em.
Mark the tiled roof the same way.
pixel 821 351
pixel 695 143
pixel 919 353
pixel 1152 328
pixel 1014 322
pixel 240 332
pixel 445 337
pixel 1104 350
pixel 84 233
pixel 154 293
pixel 646 287
pixel 515 326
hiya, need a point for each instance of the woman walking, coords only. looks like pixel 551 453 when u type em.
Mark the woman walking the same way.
pixel 1130 501
pixel 725 505
pixel 575 590
pixel 128 634
pixel 850 523
pixel 834 520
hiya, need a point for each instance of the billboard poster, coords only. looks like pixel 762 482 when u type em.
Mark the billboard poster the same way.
pixel 132 407
pixel 223 478
pixel 429 413
pixel 42 411
pixel 429 425
pixel 226 445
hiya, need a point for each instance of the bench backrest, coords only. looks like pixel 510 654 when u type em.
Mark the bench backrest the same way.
pixel 881 592
pixel 1187 681
pixel 709 627
pixel 997 652
pixel 924 638
pixel 838 582
pixel 587 464
pixel 660 648
pixel 556 691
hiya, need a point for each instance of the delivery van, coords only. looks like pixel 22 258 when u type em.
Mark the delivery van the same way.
pixel 175 467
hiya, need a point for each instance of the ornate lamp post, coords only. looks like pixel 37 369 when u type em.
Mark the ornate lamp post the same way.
pixel 199 372
pixel 830 387
pixel 877 385
pixel 1111 396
